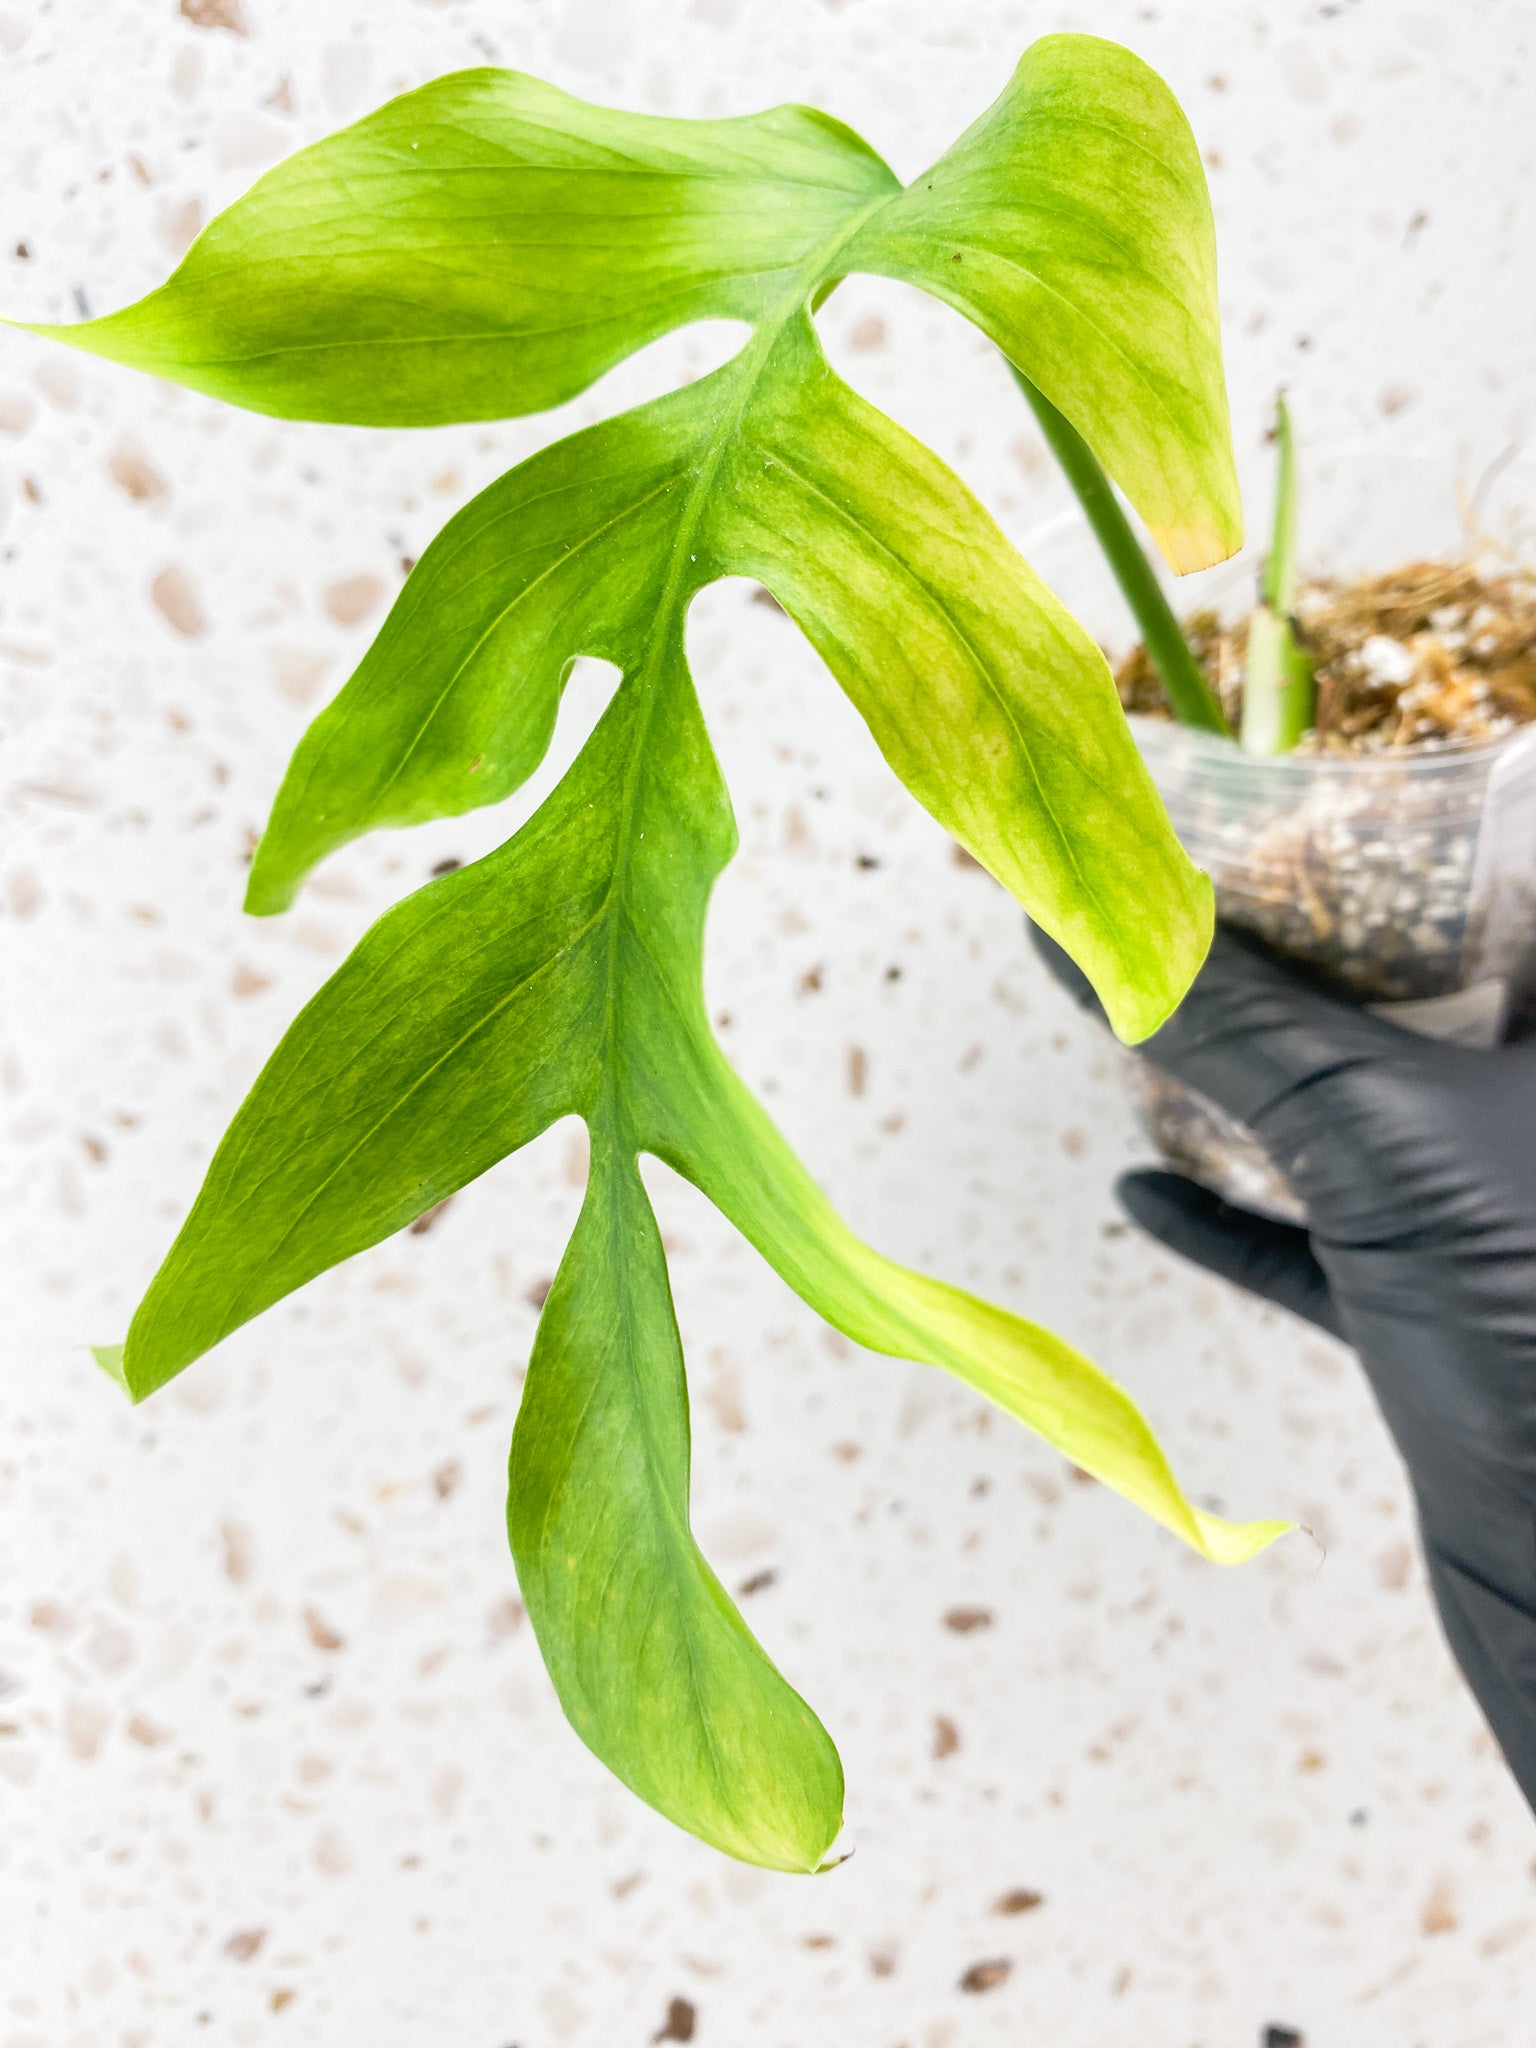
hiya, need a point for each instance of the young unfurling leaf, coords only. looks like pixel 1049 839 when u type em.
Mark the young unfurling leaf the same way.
pixel 488 246
pixel 1279 682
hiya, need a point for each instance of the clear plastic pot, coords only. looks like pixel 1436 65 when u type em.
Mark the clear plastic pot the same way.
pixel 1407 880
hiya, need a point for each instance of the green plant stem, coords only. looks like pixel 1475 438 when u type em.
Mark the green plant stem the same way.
pixel 1279 684
pixel 1194 701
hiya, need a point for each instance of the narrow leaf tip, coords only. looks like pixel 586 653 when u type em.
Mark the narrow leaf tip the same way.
pixel 110 1358
pixel 1225 1542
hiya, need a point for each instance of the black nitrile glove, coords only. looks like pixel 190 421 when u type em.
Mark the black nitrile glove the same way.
pixel 1416 1162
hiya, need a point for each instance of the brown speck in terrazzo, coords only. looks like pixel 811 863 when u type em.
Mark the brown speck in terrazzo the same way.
pixel 225 14
pixel 858 1070
pixel 505 1618
pixel 132 471
pixel 245 981
pixel 536 1293
pixel 758 1583
pixel 987 1976
pixel 1440 1915
pixel 1394 1567
pixel 176 601
pixel 447 1479
pixel 238 1552
pixel 679 2023
pixel 350 600
pixel 578 1154
pixel 882 1960
pixel 1020 1900
pixel 965 1621
pixel 242 1947
pixel 428 1217
pixel 320 1632
pixel 946 1737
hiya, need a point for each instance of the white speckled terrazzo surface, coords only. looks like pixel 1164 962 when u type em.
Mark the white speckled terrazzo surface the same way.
pixel 278 1761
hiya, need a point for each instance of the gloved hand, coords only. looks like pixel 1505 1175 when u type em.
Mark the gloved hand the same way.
pixel 1416 1162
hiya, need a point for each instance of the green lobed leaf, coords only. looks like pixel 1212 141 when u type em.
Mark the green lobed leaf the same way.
pixel 552 978
pixel 690 1713
pixel 566 555
pixel 488 245
pixel 983 693
pixel 1073 225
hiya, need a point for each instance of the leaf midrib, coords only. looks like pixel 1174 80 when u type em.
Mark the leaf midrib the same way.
pixel 981 667
pixel 604 1117
pixel 752 362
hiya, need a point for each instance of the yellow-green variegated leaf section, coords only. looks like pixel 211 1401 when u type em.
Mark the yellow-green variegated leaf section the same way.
pixel 1073 225
pixel 489 245
pixel 982 691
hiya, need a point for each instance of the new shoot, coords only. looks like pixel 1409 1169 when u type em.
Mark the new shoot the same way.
pixel 1279 681
pixel 1279 686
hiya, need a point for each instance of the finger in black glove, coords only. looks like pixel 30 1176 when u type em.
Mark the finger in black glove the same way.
pixel 1273 1260
pixel 1416 1163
